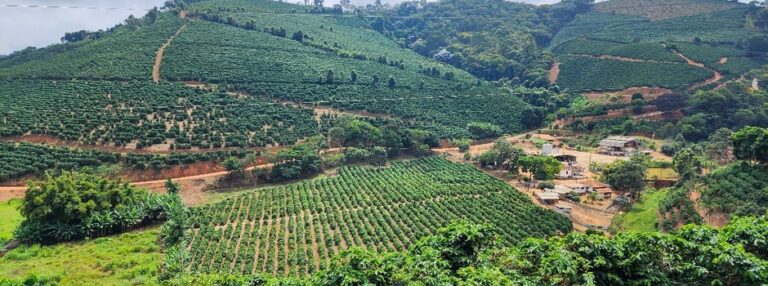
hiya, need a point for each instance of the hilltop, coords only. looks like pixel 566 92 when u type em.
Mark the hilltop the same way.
pixel 675 45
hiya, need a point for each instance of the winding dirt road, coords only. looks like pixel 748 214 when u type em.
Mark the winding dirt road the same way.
pixel 716 75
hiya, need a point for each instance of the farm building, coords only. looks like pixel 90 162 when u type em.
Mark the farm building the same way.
pixel 548 197
pixel 603 191
pixel 570 169
pixel 618 145
pixel 579 188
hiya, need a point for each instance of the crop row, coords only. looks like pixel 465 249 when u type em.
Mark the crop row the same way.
pixel 644 51
pixel 587 73
pixel 22 159
pixel 296 229
pixel 726 59
pixel 145 114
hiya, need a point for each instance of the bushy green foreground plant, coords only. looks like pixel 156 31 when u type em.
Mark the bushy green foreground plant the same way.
pixel 467 254
pixel 81 205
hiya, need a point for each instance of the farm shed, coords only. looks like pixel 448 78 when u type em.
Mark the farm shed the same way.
pixel 548 197
pixel 618 145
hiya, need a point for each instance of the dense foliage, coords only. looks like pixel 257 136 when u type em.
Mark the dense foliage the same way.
pixel 465 254
pixel 490 39
pixel 738 189
pixel 81 205
pixel 589 73
pixel 144 114
pixel 733 107
pixel 296 229
pixel 25 159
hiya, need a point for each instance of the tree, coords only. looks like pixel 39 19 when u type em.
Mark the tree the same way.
pixel 233 165
pixel 751 143
pixel 75 205
pixel 298 36
pixel 482 130
pixel 355 132
pixel 172 187
pixel 378 156
pixel 626 176
pixel 353 76
pixel 392 82
pixel 375 80
pixel 637 106
pixel 541 167
pixel 463 144
pixel 719 147
pixel 689 164
pixel 329 77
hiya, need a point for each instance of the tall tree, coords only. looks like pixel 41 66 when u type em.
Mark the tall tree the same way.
pixel 751 143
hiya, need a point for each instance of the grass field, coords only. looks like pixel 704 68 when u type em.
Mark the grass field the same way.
pixel 643 215
pixel 9 218
pixel 127 259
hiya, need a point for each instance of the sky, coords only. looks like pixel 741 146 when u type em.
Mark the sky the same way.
pixel 38 27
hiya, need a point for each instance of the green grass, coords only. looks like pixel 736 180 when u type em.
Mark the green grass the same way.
pixel 9 218
pixel 661 173
pixel 643 215
pixel 127 259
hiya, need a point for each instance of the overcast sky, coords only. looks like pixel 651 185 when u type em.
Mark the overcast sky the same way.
pixel 36 26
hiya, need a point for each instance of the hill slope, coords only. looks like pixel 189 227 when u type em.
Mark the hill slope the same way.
pixel 633 32
pixel 296 229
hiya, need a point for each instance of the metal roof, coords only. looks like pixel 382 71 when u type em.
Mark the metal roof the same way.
pixel 547 196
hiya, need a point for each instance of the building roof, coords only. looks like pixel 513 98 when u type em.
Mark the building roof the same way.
pixel 560 189
pixel 576 186
pixel 616 141
pixel 548 196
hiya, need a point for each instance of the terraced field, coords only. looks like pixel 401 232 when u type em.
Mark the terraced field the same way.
pixel 296 229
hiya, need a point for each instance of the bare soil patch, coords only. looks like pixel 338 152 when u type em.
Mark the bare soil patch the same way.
pixel 554 72
pixel 711 217
pixel 723 60
pixel 649 93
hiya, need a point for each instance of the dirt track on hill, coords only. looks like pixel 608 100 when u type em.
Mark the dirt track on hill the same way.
pixel 716 75
pixel 161 50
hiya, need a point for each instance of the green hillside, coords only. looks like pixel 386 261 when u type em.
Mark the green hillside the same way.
pixel 664 9
pixel 296 229
pixel 588 73
pixel 706 32
pixel 126 53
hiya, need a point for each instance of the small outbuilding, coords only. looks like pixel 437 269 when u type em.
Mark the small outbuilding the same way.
pixel 548 197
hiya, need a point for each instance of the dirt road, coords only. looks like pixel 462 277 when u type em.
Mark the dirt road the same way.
pixel 161 50
pixel 192 186
pixel 716 75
